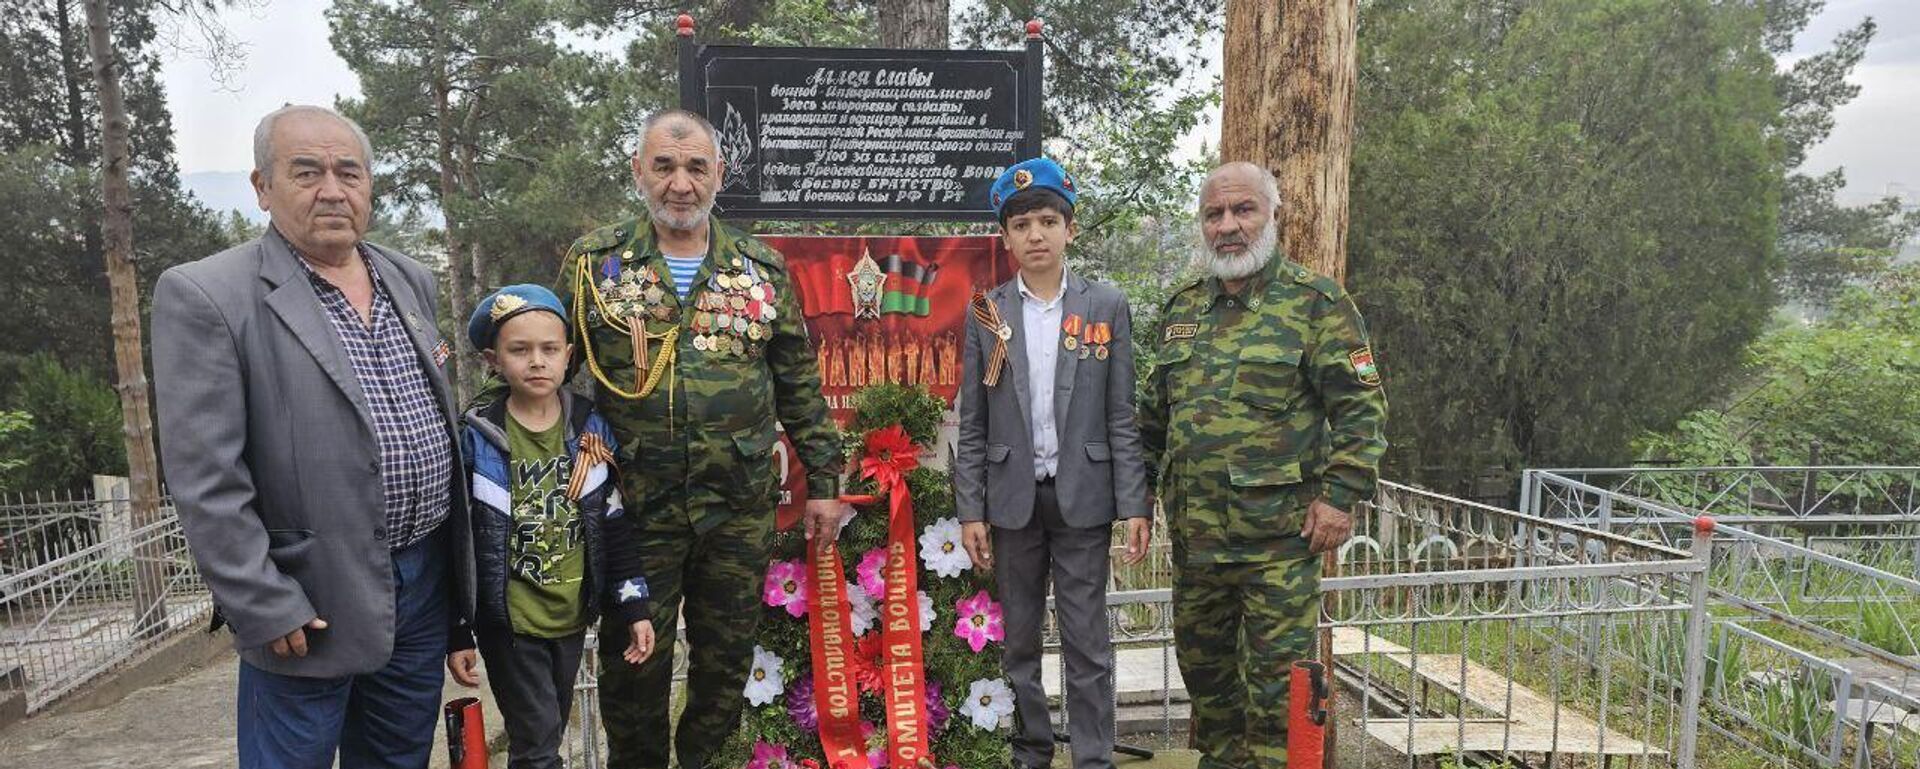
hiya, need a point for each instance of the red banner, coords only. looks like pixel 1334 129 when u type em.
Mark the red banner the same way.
pixel 911 336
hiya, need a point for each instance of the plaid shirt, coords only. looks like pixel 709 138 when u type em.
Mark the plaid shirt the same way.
pixel 416 450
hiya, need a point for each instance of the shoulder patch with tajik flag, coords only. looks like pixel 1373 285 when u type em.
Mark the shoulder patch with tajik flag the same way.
pixel 1181 331
pixel 1362 360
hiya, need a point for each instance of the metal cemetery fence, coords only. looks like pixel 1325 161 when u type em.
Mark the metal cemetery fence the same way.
pixel 69 575
pixel 1463 634
pixel 1471 634
pixel 1815 611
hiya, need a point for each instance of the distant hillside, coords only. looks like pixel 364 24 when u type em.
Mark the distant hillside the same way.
pixel 225 191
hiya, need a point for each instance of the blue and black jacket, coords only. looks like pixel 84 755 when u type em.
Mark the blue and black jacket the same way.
pixel 613 574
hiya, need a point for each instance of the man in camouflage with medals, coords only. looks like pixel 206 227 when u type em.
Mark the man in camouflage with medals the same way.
pixel 1263 428
pixel 695 342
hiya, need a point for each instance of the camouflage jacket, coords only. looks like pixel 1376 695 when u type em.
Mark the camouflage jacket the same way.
pixel 740 361
pixel 1260 402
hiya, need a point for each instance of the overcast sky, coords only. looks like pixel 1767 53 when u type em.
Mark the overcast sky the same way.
pixel 290 60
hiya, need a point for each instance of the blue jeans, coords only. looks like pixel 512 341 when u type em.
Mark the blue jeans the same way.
pixel 380 719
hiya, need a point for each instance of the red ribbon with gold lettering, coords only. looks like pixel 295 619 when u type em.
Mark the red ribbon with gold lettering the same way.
pixel 890 456
pixel 835 695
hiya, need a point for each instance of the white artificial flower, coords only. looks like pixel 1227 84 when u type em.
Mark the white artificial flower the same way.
pixel 941 549
pixel 865 611
pixel 987 702
pixel 926 611
pixel 764 684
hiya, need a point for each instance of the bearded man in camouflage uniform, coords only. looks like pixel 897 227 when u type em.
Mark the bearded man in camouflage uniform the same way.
pixel 1262 428
pixel 710 316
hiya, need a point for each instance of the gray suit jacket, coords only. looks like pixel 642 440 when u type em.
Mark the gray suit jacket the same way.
pixel 1101 474
pixel 269 452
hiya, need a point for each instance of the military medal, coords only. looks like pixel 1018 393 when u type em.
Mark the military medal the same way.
pixel 1101 334
pixel 1070 332
pixel 623 299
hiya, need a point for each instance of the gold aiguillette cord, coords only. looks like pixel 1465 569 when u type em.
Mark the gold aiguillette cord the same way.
pixel 647 377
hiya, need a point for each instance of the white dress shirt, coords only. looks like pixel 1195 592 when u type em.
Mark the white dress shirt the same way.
pixel 1041 319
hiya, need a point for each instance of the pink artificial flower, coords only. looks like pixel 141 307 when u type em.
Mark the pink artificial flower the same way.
pixel 877 753
pixel 872 571
pixel 980 621
pixel 786 587
pixel 766 756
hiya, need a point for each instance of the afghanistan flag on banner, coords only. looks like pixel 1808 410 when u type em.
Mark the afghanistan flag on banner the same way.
pixel 908 282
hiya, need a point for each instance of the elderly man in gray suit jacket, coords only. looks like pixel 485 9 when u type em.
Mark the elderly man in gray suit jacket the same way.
pixel 307 435
pixel 1049 456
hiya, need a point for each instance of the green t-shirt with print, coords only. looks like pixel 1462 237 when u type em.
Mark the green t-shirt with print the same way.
pixel 545 550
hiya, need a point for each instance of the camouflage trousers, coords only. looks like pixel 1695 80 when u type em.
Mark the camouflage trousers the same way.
pixel 1237 629
pixel 718 574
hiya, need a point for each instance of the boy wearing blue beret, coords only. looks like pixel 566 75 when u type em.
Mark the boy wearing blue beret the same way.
pixel 553 545
pixel 1048 458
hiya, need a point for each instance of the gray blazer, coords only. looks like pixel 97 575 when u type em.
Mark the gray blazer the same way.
pixel 1101 474
pixel 269 453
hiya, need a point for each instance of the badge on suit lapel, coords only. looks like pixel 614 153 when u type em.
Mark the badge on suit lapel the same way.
pixel 441 352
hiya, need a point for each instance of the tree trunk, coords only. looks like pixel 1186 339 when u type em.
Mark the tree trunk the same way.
pixel 79 151
pixel 1288 105
pixel 484 275
pixel 913 23
pixel 457 264
pixel 136 419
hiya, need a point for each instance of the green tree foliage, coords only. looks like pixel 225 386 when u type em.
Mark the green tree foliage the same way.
pixel 75 420
pixel 1563 220
pixel 1824 246
pixel 1844 384
pixel 56 287
pixel 486 93
pixel 13 424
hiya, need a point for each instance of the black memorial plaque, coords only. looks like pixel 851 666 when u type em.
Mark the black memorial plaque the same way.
pixel 833 133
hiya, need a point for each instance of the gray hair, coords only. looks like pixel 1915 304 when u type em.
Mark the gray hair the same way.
pixel 1268 185
pixel 678 115
pixel 263 135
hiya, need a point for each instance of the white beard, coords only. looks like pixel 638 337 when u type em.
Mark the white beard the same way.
pixel 665 218
pixel 1244 264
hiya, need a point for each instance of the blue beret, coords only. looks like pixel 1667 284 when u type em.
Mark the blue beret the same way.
pixel 506 303
pixel 1029 174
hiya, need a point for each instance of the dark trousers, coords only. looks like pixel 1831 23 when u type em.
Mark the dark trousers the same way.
pixel 532 680
pixel 1077 561
pixel 380 719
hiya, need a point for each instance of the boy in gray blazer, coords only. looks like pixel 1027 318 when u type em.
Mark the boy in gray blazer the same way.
pixel 1049 455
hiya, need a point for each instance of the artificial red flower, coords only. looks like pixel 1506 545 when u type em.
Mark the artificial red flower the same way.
pixel 890 456
pixel 866 663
